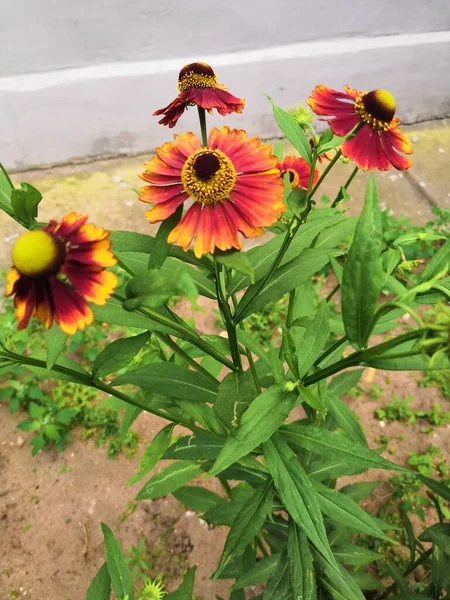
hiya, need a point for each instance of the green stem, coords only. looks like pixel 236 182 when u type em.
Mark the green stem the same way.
pixel 326 171
pixel 340 196
pixel 332 293
pixel 184 332
pixel 88 381
pixel 248 353
pixel 290 308
pixel 202 118
pixel 225 312
pixel 182 354
pixel 330 350
pixel 361 356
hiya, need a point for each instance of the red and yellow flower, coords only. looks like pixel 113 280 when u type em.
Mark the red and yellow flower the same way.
pixel 198 86
pixel 233 181
pixel 379 142
pixel 299 171
pixel 58 269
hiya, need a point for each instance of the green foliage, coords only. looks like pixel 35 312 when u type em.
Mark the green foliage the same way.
pixel 292 526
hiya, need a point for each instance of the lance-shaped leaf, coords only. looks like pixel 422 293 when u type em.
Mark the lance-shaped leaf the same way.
pixel 300 563
pixel 296 492
pixel 314 339
pixel 154 287
pixel 56 341
pixel 333 444
pixel 118 354
pixel 152 453
pixel 247 525
pixel 277 587
pixel 261 419
pixel 118 569
pixel 197 498
pixel 169 479
pixel 363 271
pixel 437 264
pixel 292 130
pixel 171 380
pixel 100 587
pixel 259 573
pixel 236 391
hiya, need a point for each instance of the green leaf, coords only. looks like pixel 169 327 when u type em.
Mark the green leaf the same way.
pixel 366 581
pixel 292 130
pixel 296 492
pixel 326 145
pixel 129 417
pixel 169 479
pixel 261 257
pixel 152 454
pixel 353 555
pixel 259 573
pixel 314 339
pixel 201 446
pixel 247 524
pixel 297 202
pixel 346 419
pixel 196 498
pixel 342 509
pixel 118 570
pixel 344 382
pixel 160 247
pixel 65 415
pixel 171 380
pixel 239 261
pixel 300 563
pixel 397 576
pixel 437 264
pixel 36 410
pixel 236 391
pixel 130 241
pixel 118 354
pixel 277 587
pixel 314 400
pixel 154 287
pixel 332 444
pixel 261 419
pixel 25 201
pixel 28 425
pixel 409 596
pixel 360 490
pixel 6 188
pixel 56 342
pixel 186 589
pixel 51 432
pixel 439 534
pixel 113 312
pixel 390 361
pixel 338 270
pixel 286 278
pixel 440 570
pixel 363 271
pixel 336 235
pixel 337 581
pixel 100 587
pixel 202 414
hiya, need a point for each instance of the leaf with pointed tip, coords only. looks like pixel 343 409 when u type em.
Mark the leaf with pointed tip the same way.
pixel 118 569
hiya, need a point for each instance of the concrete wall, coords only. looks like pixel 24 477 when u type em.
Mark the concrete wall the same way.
pixel 81 78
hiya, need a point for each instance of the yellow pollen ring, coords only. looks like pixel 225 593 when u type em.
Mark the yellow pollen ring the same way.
pixel 214 189
pixel 193 80
pixel 294 178
pixel 36 253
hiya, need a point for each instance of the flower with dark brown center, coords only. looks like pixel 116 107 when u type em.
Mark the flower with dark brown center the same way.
pixel 198 86
pixel 379 142
pixel 233 182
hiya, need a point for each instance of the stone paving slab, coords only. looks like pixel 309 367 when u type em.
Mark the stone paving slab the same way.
pixel 103 189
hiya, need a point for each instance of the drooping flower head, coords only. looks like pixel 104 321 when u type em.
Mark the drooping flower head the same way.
pixel 299 171
pixel 198 86
pixel 379 141
pixel 233 181
pixel 58 269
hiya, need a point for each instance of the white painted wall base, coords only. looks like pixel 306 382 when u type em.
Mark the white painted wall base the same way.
pixel 106 109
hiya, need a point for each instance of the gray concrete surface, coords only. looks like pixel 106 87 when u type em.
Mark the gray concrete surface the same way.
pixel 80 80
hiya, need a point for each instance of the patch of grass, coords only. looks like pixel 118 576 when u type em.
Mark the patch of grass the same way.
pixel 399 409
